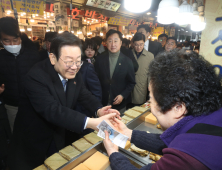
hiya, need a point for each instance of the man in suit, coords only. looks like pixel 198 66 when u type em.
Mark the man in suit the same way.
pixel 44 53
pixel 51 89
pixel 151 46
pixel 115 72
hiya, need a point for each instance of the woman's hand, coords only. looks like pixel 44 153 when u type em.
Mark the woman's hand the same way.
pixel 122 128
pixel 110 147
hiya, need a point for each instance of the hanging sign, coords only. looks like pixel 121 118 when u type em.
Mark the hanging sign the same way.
pixel 60 11
pixel 211 37
pixel 6 4
pixel 104 4
pixel 30 6
pixel 118 20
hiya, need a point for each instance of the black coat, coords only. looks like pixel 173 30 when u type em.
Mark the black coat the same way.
pixel 45 111
pixel 92 83
pixel 155 47
pixel 43 54
pixel 122 81
pixel 13 70
pixel 129 53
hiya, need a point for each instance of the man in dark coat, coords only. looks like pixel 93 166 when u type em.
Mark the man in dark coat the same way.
pixel 116 73
pixel 151 46
pixel 51 89
pixel 16 59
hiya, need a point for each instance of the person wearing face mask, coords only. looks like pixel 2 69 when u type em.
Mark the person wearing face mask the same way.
pixel 15 61
pixel 116 73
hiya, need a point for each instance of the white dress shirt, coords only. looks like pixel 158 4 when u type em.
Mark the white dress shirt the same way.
pixel 146 45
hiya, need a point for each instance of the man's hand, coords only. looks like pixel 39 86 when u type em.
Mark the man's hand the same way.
pixel 107 110
pixel 94 122
pixel 118 100
pixel 110 147
pixel 2 88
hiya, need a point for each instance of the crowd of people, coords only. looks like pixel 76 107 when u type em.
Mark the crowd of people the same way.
pixel 56 94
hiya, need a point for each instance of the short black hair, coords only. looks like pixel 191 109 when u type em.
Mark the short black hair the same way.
pixel 50 35
pixel 9 26
pixel 63 39
pixel 125 41
pixel 98 40
pixel 172 38
pixel 162 35
pixel 145 26
pixel 111 32
pixel 89 43
pixel 183 76
pixel 138 36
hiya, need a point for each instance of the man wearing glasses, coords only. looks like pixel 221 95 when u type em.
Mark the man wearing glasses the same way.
pixel 144 59
pixel 51 89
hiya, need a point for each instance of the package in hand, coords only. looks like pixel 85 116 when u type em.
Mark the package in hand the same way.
pixel 115 136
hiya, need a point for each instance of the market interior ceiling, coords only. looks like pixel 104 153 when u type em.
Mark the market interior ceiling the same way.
pixel 121 11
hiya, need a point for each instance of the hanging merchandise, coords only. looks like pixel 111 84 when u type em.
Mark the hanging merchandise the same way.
pixel 185 14
pixel 137 6
pixel 167 11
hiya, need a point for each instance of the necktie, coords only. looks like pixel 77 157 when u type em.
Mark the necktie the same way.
pixel 64 82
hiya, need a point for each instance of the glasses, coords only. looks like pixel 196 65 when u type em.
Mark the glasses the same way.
pixel 71 63
pixel 139 45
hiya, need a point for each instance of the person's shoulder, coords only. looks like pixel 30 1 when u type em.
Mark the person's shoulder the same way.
pixel 39 68
pixel 102 55
pixel 147 53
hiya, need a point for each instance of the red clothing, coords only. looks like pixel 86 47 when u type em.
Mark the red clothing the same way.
pixel 174 159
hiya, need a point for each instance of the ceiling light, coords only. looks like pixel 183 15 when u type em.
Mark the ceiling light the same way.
pixel 167 11
pixel 148 13
pixel 72 32
pixel 45 17
pixel 36 15
pixel 52 14
pixel 21 15
pixel 138 7
pixel 29 28
pixel 185 14
pixel 47 29
pixel 22 28
pixel 186 31
pixel 32 20
pixel 199 24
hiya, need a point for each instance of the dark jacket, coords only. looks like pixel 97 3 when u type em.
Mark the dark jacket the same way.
pixel 122 81
pixel 45 111
pixel 155 47
pixel 13 70
pixel 92 84
pixel 43 54
pixel 129 53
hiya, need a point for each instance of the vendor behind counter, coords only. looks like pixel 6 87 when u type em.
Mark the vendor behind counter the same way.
pixel 186 98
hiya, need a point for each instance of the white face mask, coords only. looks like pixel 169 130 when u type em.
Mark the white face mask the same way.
pixel 13 48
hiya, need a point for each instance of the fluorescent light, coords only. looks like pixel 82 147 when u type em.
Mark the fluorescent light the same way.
pixel 138 7
pixel 148 13
pixel 167 11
